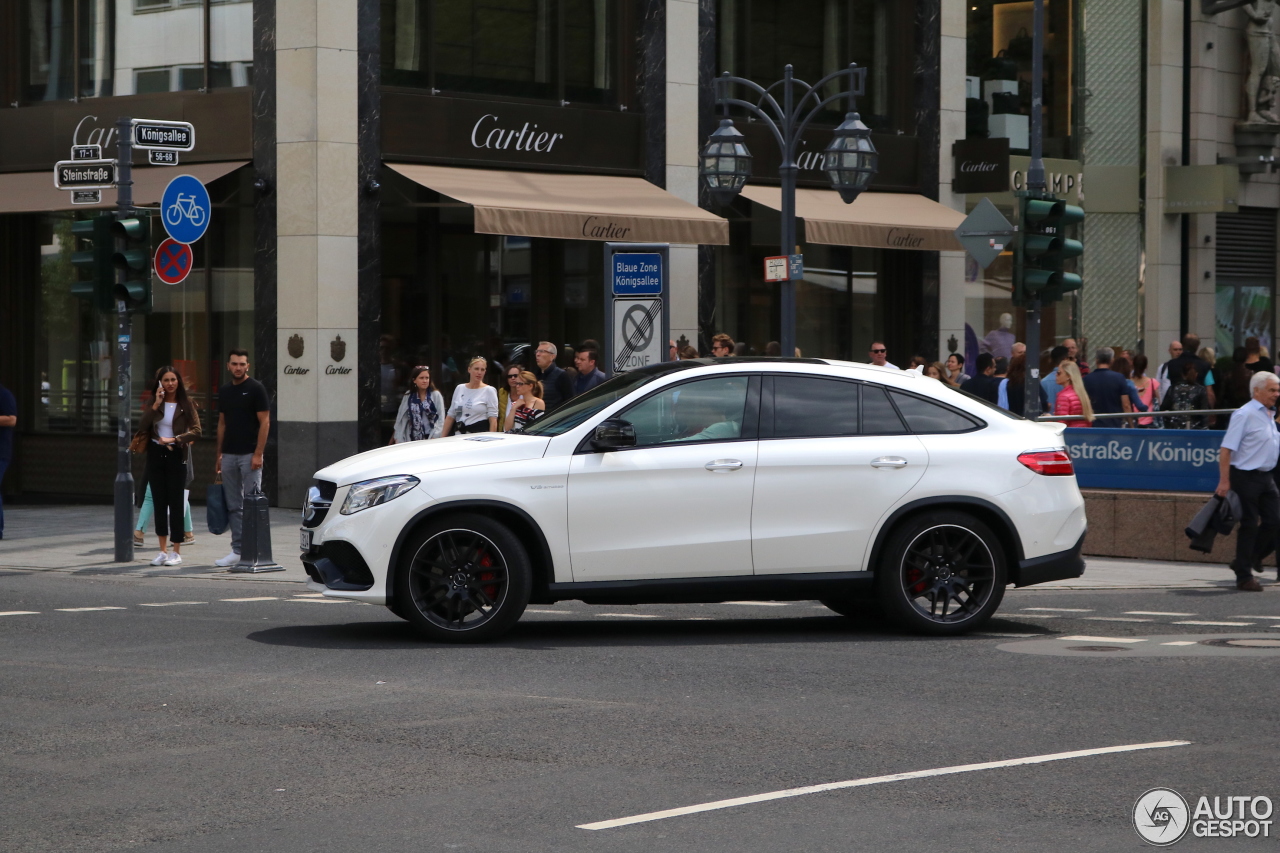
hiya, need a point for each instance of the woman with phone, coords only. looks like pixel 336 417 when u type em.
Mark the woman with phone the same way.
pixel 172 425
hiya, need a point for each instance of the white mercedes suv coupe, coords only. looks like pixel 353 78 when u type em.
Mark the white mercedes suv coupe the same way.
pixel 704 481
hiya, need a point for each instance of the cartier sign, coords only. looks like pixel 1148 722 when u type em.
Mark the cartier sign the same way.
pixel 488 132
pixel 981 166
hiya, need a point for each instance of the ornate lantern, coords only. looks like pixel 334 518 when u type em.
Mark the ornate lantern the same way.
pixel 725 162
pixel 851 160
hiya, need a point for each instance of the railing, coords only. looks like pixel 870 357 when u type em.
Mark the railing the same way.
pixel 1156 414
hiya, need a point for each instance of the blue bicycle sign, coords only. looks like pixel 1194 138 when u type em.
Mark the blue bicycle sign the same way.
pixel 185 209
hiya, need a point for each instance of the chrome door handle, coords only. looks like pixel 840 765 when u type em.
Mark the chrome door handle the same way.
pixel 889 462
pixel 724 465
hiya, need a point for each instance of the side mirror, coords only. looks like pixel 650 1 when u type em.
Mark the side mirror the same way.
pixel 613 434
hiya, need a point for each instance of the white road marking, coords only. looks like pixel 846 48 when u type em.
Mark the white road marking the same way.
pixel 557 612
pixel 1115 619
pixel 308 595
pixel 320 600
pixel 1180 643
pixel 631 615
pixel 1063 609
pixel 1085 639
pixel 1224 624
pixel 876 780
pixel 86 609
pixel 760 603
pixel 255 598
pixel 172 603
pixel 20 613
pixel 1242 616
pixel 1038 616
pixel 1155 613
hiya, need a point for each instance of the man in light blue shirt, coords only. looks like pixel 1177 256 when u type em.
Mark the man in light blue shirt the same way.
pixel 1050 384
pixel 1250 449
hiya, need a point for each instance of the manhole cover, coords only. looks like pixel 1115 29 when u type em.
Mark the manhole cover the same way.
pixel 1246 643
pixel 1097 649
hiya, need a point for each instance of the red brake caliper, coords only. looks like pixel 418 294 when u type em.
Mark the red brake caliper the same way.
pixel 490 589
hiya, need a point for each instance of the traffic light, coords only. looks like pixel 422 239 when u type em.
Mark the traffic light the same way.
pixel 100 284
pixel 133 256
pixel 1044 249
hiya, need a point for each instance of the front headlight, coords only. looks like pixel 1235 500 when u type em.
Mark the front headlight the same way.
pixel 373 492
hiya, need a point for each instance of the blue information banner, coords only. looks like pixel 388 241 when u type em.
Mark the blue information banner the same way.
pixel 1157 460
pixel 637 274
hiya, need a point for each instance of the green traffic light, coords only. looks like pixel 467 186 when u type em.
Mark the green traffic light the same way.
pixel 99 284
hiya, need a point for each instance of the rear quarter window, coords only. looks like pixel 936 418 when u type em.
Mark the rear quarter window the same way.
pixel 925 416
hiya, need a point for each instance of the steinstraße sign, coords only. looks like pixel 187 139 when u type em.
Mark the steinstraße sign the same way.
pixel 1174 460
pixel 84 174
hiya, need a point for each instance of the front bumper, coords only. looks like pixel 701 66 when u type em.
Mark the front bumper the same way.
pixel 338 565
pixel 1061 566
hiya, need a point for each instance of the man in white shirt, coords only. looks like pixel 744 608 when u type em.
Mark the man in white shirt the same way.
pixel 879 355
pixel 1250 449
pixel 1162 375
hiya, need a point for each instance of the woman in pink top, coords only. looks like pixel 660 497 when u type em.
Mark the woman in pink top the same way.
pixel 1148 388
pixel 1072 399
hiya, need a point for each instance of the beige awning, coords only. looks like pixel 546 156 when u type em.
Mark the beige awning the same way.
pixel 878 220
pixel 571 207
pixel 34 192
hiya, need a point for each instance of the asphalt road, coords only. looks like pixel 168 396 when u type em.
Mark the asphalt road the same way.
pixel 288 724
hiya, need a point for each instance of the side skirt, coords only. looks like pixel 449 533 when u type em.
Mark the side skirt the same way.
pixel 800 587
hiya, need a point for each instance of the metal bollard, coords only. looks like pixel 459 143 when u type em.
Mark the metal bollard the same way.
pixel 255 537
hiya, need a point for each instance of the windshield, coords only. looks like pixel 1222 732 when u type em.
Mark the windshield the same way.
pixel 579 409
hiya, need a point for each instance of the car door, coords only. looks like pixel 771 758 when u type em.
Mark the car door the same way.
pixel 678 504
pixel 834 457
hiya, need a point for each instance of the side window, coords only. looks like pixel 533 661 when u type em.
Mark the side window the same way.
pixel 706 410
pixel 878 415
pixel 926 417
pixel 806 406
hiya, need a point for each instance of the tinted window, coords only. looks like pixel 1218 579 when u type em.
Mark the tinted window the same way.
pixel 706 410
pixel 805 406
pixel 878 416
pixel 924 416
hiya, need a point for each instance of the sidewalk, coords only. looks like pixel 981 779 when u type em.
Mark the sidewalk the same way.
pixel 78 539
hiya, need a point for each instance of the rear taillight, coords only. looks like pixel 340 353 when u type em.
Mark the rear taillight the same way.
pixel 1051 463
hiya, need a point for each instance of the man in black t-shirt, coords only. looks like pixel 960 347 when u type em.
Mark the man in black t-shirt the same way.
pixel 244 421
pixel 984 383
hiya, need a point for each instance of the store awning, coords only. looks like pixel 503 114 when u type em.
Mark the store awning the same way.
pixel 878 220
pixel 571 206
pixel 34 192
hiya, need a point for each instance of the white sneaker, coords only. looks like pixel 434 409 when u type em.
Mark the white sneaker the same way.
pixel 229 560
pixel 161 559
pixel 174 560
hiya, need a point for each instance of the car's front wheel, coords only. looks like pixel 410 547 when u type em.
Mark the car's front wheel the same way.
pixel 464 579
pixel 943 573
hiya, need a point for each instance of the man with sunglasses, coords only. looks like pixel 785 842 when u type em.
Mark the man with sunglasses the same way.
pixel 557 387
pixel 721 346
pixel 879 355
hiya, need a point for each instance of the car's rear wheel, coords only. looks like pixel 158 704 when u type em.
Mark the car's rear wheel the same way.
pixel 464 579
pixel 942 573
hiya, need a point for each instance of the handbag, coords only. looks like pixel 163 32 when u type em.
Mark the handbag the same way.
pixel 1005 103
pixel 1021 45
pixel 191 465
pixel 215 508
pixel 1001 67
pixel 140 441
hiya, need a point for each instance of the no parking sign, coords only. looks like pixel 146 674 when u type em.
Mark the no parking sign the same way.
pixel 173 261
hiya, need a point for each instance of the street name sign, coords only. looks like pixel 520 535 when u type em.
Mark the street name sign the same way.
pixel 637 274
pixel 86 152
pixel 151 134
pixel 86 196
pixel 84 174
pixel 162 157
pixel 985 233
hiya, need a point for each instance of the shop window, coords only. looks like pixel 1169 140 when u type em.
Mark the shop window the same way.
pixel 757 38
pixel 998 72
pixel 191 325
pixel 563 50
pixel 95 48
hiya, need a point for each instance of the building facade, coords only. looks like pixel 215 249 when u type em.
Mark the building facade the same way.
pixel 405 182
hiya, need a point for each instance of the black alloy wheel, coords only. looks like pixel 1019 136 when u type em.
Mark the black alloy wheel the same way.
pixel 943 573
pixel 465 579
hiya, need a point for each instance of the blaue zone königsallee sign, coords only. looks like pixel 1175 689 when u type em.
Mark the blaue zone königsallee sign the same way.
pixel 1161 460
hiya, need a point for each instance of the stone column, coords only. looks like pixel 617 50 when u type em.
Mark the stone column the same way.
pixel 682 156
pixel 317 268
pixel 951 265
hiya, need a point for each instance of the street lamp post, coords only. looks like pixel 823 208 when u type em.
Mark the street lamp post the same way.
pixel 850 161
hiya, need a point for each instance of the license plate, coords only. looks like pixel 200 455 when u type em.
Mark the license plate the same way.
pixel 304 537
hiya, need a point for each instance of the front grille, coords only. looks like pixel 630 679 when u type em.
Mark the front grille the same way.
pixel 317 503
